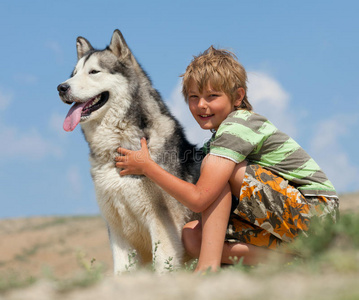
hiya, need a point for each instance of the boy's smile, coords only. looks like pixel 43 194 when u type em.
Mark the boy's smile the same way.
pixel 206 116
pixel 209 107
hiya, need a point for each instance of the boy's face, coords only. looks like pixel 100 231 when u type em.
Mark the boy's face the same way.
pixel 210 108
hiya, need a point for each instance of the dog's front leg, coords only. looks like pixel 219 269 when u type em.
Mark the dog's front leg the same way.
pixel 123 261
pixel 167 248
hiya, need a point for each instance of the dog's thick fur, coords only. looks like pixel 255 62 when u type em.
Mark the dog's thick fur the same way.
pixel 138 213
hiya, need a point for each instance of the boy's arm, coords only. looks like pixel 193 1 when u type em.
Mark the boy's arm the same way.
pixel 215 174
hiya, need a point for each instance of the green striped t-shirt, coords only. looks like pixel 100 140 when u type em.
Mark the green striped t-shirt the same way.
pixel 247 135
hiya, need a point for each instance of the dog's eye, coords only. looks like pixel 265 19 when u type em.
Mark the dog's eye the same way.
pixel 94 72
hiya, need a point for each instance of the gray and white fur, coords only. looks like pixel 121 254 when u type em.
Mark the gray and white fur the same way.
pixel 118 106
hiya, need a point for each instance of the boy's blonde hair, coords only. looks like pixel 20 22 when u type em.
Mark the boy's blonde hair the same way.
pixel 219 68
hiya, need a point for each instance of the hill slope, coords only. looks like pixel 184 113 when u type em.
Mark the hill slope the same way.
pixel 58 249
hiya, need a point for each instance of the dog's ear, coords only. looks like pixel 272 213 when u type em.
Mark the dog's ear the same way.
pixel 118 45
pixel 83 46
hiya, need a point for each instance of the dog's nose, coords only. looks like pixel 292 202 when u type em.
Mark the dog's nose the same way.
pixel 63 88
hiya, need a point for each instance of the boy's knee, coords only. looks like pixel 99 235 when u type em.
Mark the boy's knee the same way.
pixel 191 238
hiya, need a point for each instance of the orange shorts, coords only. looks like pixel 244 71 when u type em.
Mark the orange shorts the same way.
pixel 271 211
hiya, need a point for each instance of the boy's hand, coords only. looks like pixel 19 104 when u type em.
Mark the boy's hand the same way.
pixel 133 162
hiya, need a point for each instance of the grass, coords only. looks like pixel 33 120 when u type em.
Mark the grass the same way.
pixel 12 280
pixel 26 253
pixel 333 245
pixel 132 261
pixel 92 273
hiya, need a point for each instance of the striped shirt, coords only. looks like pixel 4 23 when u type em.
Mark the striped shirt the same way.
pixel 247 135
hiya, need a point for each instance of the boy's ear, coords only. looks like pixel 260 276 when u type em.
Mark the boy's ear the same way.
pixel 240 95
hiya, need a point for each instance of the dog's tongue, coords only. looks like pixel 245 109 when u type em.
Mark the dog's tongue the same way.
pixel 73 116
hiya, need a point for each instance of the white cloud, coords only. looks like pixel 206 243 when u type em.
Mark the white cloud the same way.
pixel 56 122
pixel 329 152
pixel 25 145
pixel 327 133
pixel 28 79
pixel 55 47
pixel 270 99
pixel 265 90
pixel 20 143
pixel 5 100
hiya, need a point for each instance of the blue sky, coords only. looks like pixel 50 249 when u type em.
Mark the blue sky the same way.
pixel 301 57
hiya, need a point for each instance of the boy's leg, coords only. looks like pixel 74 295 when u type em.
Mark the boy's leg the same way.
pixel 251 255
pixel 214 225
pixel 206 239
pixel 269 212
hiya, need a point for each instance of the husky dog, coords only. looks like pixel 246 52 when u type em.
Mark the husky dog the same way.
pixel 116 105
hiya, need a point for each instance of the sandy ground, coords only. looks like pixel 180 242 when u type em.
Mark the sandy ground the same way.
pixel 58 248
pixel 227 285
pixel 54 245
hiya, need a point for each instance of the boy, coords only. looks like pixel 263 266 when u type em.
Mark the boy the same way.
pixel 277 185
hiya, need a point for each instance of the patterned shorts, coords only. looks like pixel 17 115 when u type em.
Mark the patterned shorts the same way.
pixel 270 211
